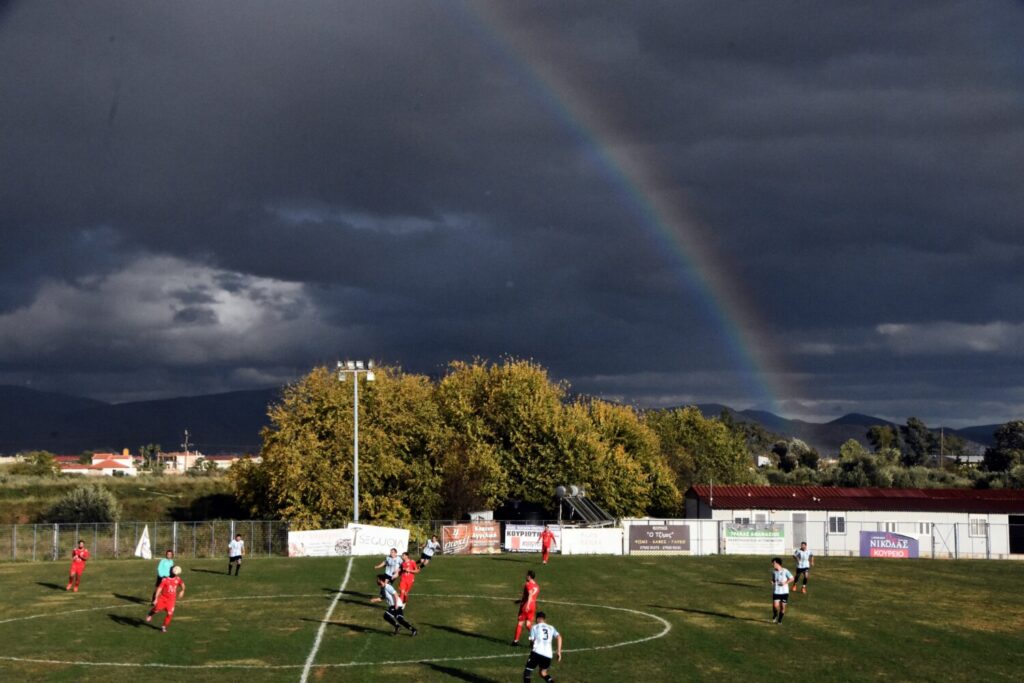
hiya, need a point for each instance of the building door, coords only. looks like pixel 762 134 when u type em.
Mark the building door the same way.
pixel 799 527
pixel 1017 534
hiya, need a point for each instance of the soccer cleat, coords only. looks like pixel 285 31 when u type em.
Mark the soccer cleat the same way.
pixel 68 587
pixel 149 618
pixel 414 632
pixel 804 589
pixel 75 589
pixel 163 629
pixel 514 643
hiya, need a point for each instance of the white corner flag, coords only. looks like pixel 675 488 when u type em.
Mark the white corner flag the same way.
pixel 142 549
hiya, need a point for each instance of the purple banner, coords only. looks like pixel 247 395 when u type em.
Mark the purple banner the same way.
pixel 888 545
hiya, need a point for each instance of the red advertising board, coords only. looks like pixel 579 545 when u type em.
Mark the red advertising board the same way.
pixel 473 538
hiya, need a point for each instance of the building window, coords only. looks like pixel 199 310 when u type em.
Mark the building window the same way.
pixel 924 528
pixel 760 518
pixel 977 526
pixel 837 524
pixel 889 527
pixel 742 520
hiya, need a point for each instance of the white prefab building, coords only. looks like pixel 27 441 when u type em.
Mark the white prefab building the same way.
pixel 870 522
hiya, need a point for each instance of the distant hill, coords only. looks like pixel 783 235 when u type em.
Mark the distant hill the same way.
pixel 231 423
pixel 217 423
pixel 827 437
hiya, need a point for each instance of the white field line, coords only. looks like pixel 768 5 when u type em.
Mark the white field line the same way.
pixel 666 628
pixel 323 624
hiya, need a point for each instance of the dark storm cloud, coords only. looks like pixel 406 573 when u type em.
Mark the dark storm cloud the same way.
pixel 395 178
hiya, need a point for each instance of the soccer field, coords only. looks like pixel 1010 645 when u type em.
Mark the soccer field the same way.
pixel 623 619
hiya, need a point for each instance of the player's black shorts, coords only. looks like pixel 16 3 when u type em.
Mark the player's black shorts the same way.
pixel 538 661
pixel 235 558
pixel 780 597
pixel 800 571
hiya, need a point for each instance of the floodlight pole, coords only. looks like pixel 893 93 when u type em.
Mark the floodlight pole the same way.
pixel 354 368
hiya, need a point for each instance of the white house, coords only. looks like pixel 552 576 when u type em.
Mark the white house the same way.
pixel 867 521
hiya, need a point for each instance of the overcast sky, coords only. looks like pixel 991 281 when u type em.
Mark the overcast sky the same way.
pixel 814 208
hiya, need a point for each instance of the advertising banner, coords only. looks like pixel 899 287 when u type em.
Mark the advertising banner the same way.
pixel 659 538
pixel 473 538
pixel 888 545
pixel 591 541
pixel 755 539
pixel 320 543
pixel 378 540
pixel 525 538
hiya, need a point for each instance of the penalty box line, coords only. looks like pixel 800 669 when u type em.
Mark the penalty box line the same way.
pixel 323 624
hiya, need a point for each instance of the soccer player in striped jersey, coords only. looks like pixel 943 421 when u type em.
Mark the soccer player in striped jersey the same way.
pixel 542 635
pixel 391 563
pixel 429 548
pixel 804 562
pixel 527 605
pixel 394 612
pixel 781 578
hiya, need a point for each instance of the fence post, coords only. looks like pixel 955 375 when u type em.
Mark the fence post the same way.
pixel 35 532
pixel 933 541
pixel 174 537
pixel 117 529
pixel 988 541
pixel 14 542
pixel 56 541
pixel 956 541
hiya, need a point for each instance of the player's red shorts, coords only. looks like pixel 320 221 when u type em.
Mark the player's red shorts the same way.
pixel 164 604
pixel 77 567
pixel 405 583
pixel 527 614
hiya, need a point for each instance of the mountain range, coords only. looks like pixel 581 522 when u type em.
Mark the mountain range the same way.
pixel 231 423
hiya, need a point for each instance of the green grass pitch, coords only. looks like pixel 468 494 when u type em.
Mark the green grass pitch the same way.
pixel 623 619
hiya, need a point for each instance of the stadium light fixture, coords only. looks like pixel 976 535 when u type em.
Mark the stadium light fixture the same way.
pixel 354 368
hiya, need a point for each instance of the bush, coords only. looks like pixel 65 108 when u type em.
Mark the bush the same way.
pixel 85 504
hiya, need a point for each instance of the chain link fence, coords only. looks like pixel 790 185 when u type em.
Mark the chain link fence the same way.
pixel 191 540
pixel 188 540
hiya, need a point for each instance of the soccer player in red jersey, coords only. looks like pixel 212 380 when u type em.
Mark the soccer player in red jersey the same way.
pixel 407 571
pixel 527 605
pixel 78 558
pixel 547 538
pixel 167 595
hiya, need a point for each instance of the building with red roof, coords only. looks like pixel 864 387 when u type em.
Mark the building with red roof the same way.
pixel 942 522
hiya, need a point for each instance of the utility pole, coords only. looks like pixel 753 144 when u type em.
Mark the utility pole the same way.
pixel 185 446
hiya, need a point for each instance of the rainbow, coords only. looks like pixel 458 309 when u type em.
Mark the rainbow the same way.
pixel 654 199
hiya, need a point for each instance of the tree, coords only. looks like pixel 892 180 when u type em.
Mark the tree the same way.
pixel 700 449
pixel 860 468
pixel 85 458
pixel 85 504
pixel 150 454
pixel 1007 450
pixel 38 464
pixel 882 437
pixel 918 442
pixel 307 468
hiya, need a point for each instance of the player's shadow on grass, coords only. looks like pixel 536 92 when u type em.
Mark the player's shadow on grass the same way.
pixel 52 586
pixel 707 613
pixel 209 571
pixel 737 583
pixel 471 634
pixel 459 673
pixel 134 622
pixel 521 560
pixel 132 598
pixel 358 628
